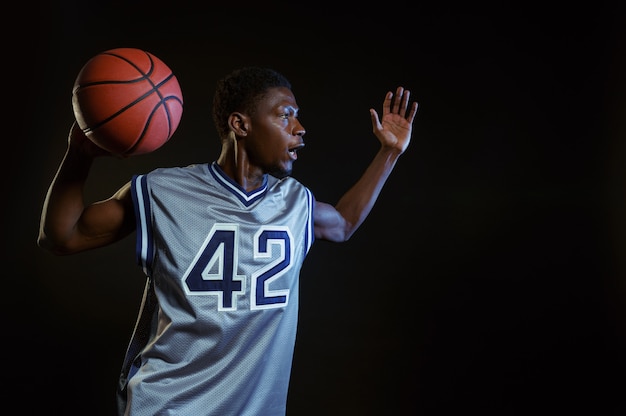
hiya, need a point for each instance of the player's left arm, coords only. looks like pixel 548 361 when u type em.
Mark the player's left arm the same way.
pixel 393 130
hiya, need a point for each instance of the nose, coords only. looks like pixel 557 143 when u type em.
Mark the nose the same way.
pixel 298 129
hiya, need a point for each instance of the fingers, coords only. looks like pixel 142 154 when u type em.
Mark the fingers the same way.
pixel 398 101
pixel 375 121
pixel 413 112
pixel 400 104
pixel 387 103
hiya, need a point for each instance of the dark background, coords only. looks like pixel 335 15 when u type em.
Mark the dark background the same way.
pixel 489 277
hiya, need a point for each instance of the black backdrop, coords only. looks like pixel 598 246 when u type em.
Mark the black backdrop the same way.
pixel 488 278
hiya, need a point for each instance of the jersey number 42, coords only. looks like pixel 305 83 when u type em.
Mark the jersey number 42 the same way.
pixel 214 270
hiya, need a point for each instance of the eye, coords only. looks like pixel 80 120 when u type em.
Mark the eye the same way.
pixel 285 113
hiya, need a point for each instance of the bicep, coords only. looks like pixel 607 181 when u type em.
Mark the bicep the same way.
pixel 328 223
pixel 107 221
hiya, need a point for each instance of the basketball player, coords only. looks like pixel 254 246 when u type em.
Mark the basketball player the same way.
pixel 221 244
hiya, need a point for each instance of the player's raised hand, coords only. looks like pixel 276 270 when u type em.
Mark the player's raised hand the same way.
pixel 79 141
pixel 395 126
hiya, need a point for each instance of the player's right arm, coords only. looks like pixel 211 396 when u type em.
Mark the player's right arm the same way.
pixel 68 225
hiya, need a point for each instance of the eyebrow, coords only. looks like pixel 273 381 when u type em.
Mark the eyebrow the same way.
pixel 292 109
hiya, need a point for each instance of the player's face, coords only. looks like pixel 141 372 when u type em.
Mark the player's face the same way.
pixel 275 134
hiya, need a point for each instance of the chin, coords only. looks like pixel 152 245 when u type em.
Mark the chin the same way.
pixel 281 172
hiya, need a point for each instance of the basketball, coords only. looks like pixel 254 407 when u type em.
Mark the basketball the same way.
pixel 127 101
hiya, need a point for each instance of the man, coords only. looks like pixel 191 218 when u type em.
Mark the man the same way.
pixel 222 245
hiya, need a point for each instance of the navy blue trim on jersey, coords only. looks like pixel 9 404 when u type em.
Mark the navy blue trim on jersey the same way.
pixel 144 247
pixel 309 234
pixel 246 198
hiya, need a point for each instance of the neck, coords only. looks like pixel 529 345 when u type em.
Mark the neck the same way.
pixel 235 163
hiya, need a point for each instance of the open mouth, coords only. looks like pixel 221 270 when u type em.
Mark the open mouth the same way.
pixel 294 150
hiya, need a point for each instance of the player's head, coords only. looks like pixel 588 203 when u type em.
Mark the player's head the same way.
pixel 241 91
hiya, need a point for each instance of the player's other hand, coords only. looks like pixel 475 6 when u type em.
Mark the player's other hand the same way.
pixel 395 126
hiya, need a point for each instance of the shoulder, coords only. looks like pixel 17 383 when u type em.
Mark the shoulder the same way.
pixel 171 178
pixel 288 181
pixel 175 171
pixel 172 175
pixel 287 184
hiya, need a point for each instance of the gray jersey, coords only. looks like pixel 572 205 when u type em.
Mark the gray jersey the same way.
pixel 217 328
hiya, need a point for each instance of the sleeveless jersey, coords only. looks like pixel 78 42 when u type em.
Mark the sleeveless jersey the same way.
pixel 217 326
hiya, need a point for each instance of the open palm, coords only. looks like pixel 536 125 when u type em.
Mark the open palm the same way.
pixel 395 126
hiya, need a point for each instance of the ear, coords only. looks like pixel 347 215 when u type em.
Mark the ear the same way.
pixel 239 124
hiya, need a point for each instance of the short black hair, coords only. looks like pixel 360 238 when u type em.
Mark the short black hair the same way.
pixel 241 90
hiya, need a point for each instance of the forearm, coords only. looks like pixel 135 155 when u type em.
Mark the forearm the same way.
pixel 356 204
pixel 64 202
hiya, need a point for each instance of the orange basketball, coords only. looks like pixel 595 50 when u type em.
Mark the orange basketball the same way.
pixel 127 101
